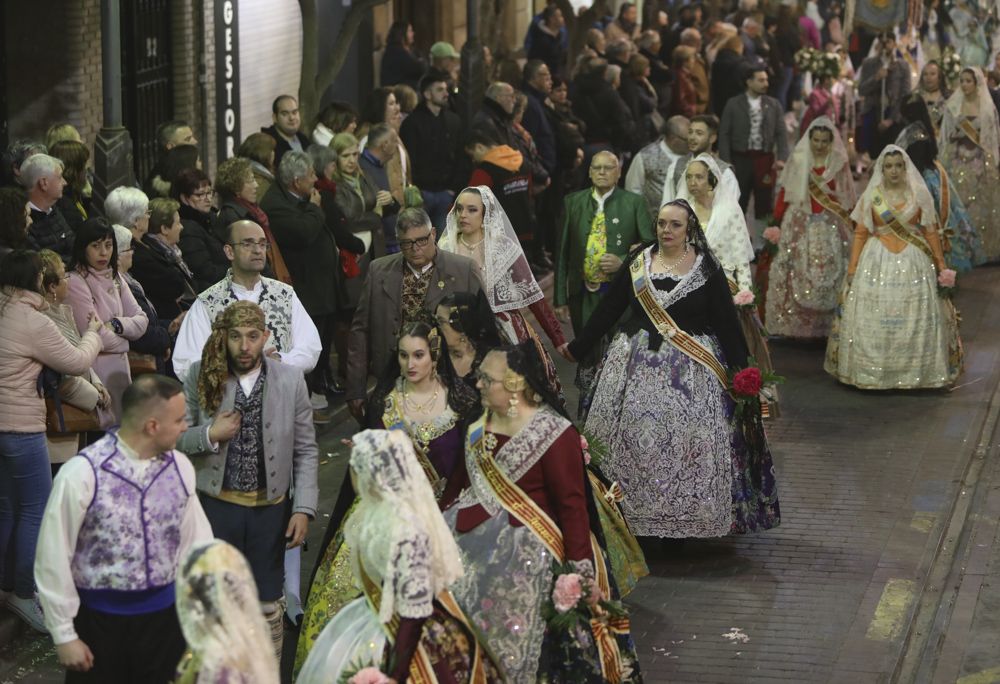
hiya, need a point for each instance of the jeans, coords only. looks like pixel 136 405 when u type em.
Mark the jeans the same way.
pixel 437 204
pixel 25 483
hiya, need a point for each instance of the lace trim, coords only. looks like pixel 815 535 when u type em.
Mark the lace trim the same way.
pixel 515 457
pixel 689 282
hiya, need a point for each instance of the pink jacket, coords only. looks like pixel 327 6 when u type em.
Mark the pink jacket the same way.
pixel 97 293
pixel 29 339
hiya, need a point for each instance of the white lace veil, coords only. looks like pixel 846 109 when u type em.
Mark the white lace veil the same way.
pixel 795 176
pixel 920 195
pixel 727 231
pixel 219 611
pixel 507 279
pixel 396 530
pixel 989 124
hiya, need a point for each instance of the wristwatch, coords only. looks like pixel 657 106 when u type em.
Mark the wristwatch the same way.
pixel 116 326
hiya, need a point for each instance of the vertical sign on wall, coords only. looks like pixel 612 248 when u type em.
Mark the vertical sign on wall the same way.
pixel 227 79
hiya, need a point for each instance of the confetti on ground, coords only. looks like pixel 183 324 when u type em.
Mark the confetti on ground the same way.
pixel 735 634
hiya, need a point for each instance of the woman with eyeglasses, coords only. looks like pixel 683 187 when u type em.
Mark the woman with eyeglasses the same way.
pixel 202 250
pixel 97 288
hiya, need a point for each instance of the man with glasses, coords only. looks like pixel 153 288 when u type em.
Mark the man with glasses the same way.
pixel 602 223
pixel 293 336
pixel 396 288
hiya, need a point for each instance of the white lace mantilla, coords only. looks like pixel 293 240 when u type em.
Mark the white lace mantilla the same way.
pixel 515 457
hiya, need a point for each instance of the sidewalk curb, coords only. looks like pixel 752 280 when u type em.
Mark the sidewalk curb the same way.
pixel 929 623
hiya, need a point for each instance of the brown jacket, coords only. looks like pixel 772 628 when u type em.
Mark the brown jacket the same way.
pixel 378 317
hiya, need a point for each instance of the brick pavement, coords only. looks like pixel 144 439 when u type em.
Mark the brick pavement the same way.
pixel 868 482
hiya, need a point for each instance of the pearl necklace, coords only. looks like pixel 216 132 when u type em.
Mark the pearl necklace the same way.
pixel 670 268
pixel 461 238
pixel 421 408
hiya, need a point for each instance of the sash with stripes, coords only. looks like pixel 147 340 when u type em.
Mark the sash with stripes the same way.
pixel 819 192
pixel 667 327
pixel 392 418
pixel 421 671
pixel 517 503
pixel 971 133
pixel 889 218
pixel 944 210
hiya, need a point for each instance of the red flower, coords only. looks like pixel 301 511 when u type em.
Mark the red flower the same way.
pixel 747 382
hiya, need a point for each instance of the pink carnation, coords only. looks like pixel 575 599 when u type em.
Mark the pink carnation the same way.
pixel 946 278
pixel 772 234
pixel 743 298
pixel 568 592
pixel 369 675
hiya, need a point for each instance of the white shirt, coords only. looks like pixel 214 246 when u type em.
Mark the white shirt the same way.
pixel 72 492
pixel 196 328
pixel 428 266
pixel 756 141
pixel 601 199
pixel 636 175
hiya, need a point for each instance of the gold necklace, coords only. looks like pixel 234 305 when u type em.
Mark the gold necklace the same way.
pixel 461 238
pixel 670 268
pixel 421 408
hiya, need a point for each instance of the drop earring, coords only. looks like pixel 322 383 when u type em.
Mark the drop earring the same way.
pixel 512 412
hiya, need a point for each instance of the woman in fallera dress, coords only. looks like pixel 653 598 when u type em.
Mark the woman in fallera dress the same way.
pixel 895 330
pixel 661 403
pixel 422 397
pixel 815 196
pixel 521 501
pixel 968 141
pixel 405 623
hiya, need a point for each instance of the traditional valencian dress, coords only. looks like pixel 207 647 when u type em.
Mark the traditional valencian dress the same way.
pixel 438 446
pixel 969 148
pixel 406 621
pixel 508 283
pixel 688 468
pixel 815 198
pixel 895 331
pixel 524 504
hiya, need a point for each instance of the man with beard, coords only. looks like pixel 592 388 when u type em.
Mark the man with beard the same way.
pixel 703 133
pixel 250 435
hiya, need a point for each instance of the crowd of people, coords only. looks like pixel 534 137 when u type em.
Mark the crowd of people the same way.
pixel 687 184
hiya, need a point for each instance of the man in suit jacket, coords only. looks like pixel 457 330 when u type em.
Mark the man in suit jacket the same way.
pixel 608 220
pixel 396 288
pixel 285 129
pixel 753 139
pixel 250 436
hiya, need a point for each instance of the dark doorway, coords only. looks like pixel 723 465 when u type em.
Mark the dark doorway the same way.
pixel 147 76
pixel 423 16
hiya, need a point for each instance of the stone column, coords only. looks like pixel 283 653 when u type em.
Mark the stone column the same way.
pixel 472 78
pixel 113 165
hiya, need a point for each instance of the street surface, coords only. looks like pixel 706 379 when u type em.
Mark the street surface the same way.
pixel 886 566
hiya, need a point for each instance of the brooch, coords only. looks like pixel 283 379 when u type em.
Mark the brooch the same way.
pixel 614 220
pixel 440 284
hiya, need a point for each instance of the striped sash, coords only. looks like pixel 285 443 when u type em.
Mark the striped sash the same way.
pixel 889 218
pixel 819 192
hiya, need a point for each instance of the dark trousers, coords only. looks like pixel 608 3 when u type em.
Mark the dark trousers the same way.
pixel 326 326
pixel 755 174
pixel 129 648
pixel 259 533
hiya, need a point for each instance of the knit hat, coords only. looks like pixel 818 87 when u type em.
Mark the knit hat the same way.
pixel 214 357
pixel 443 49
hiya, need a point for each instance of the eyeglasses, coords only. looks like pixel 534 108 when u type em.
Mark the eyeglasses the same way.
pixel 251 244
pixel 485 379
pixel 605 169
pixel 202 194
pixel 421 242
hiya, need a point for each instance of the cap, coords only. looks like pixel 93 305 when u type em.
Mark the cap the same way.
pixel 443 49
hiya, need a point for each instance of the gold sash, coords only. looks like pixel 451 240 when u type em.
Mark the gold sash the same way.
pixel 971 133
pixel 888 215
pixel 667 327
pixel 945 211
pixel 517 503
pixel 825 198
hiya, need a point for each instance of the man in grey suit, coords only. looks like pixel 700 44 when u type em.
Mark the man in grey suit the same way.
pixel 396 288
pixel 753 139
pixel 250 435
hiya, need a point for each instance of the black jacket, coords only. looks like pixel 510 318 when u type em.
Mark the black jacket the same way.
pixel 167 286
pixel 202 250
pixel 156 339
pixel 536 121
pixel 492 114
pixel 435 147
pixel 726 80
pixel 67 205
pixel 546 47
pixel 281 145
pixel 605 113
pixel 399 65
pixel 51 231
pixel 307 246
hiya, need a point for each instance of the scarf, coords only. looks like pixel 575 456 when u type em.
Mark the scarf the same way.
pixel 215 356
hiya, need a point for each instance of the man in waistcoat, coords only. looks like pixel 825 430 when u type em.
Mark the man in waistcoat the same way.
pixel 121 516
pixel 648 171
pixel 250 434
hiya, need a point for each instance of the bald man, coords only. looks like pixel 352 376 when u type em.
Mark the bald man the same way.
pixel 602 223
pixel 122 514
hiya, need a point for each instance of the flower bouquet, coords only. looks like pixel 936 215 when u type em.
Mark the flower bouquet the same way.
pixel 747 384
pixel 951 65
pixel 576 600
pixel 594 449
pixel 772 236
pixel 365 675
pixel 826 64
pixel 806 59
pixel 946 283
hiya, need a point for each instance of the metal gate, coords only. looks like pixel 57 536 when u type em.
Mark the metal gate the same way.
pixel 147 76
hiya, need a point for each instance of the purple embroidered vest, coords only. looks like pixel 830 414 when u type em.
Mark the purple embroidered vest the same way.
pixel 130 537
